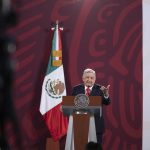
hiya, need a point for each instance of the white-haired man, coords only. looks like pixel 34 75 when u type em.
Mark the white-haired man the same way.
pixel 91 89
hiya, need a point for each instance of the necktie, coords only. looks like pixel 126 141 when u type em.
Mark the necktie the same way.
pixel 88 91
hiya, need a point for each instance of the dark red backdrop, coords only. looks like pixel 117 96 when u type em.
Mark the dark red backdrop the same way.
pixel 104 35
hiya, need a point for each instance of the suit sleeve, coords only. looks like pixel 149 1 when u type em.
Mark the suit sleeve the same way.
pixel 74 92
pixel 106 101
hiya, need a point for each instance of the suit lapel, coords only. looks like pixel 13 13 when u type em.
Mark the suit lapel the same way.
pixel 82 89
pixel 92 92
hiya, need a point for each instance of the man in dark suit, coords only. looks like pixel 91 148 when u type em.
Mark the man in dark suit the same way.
pixel 91 89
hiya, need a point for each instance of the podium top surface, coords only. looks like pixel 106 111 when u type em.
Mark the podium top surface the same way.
pixel 93 100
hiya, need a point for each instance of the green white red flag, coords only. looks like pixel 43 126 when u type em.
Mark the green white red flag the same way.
pixel 53 89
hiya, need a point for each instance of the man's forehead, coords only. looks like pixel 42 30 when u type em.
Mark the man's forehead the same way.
pixel 89 74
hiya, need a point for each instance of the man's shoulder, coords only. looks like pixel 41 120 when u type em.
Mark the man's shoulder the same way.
pixel 97 86
pixel 78 86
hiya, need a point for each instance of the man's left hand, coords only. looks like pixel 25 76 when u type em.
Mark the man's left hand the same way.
pixel 105 90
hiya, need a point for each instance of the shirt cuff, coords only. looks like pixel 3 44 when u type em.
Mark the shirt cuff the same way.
pixel 106 97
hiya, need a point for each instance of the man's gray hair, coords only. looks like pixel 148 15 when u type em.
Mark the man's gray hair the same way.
pixel 88 70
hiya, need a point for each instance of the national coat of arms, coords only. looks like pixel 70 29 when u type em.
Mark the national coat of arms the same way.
pixel 55 88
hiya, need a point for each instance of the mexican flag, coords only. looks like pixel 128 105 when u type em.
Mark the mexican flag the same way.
pixel 53 89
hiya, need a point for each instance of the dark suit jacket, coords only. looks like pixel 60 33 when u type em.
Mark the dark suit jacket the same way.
pixel 96 91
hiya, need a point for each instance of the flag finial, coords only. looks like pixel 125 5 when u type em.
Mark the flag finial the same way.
pixel 57 22
pixel 57 26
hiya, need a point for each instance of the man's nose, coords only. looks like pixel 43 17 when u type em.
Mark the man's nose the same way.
pixel 89 79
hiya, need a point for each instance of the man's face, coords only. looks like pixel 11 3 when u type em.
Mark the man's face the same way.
pixel 89 79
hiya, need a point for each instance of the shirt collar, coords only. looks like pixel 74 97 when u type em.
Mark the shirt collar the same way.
pixel 85 87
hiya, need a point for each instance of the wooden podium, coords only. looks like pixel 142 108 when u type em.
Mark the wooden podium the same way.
pixel 81 119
